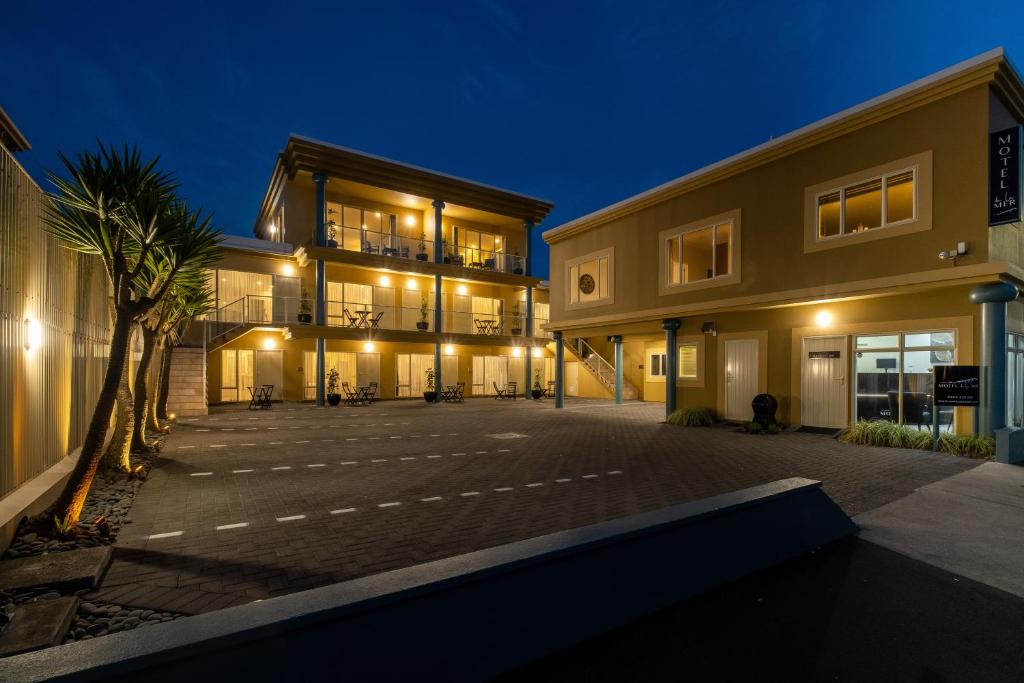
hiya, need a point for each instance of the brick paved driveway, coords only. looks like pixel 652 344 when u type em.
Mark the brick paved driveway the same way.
pixel 246 505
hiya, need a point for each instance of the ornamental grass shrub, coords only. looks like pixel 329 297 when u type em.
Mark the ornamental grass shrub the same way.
pixel 891 435
pixel 692 417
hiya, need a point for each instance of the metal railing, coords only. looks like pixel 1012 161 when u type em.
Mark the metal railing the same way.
pixel 413 248
pixel 255 309
pixel 604 370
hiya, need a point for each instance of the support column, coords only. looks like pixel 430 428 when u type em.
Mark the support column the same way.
pixel 438 225
pixel 670 325
pixel 528 335
pixel 528 229
pixel 320 180
pixel 320 369
pixel 559 370
pixel 993 298
pixel 437 333
pixel 617 340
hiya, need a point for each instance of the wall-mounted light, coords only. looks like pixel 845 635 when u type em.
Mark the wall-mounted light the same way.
pixel 449 350
pixel 461 290
pixel 172 417
pixel 33 334
pixel 368 347
pixel 269 344
pixel 411 284
pixel 823 319
pixel 537 352
pixel 709 328
pixel 516 352
pixel 288 269
pixel 384 281
pixel 410 220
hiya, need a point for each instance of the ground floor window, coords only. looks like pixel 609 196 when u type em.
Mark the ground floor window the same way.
pixel 894 376
pixel 1015 380
pixel 488 372
pixel 358 369
pixel 686 366
pixel 241 369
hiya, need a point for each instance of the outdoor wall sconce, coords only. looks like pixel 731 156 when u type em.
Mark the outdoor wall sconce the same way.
pixel 33 334
pixel 516 352
pixel 537 352
pixel 823 318
pixel 954 254
pixel 709 328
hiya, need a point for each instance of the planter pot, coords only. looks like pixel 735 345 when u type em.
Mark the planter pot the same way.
pixel 305 318
pixel 422 256
pixel 430 396
pixel 517 271
pixel 422 327
pixel 447 259
pixel 536 393
pixel 334 399
pixel 333 244
pixel 516 331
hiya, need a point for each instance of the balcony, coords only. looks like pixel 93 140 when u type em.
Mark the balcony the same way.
pixel 412 248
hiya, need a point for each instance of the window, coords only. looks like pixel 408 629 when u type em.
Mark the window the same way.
pixel 589 279
pixel 477 248
pixel 358 229
pixel 894 376
pixel 688 361
pixel 358 369
pixel 859 207
pixel 656 362
pixel 704 253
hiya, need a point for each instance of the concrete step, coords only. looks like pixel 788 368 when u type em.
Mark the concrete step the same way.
pixel 36 625
pixel 71 570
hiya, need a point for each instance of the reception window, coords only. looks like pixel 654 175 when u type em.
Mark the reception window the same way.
pixel 589 279
pixel 895 376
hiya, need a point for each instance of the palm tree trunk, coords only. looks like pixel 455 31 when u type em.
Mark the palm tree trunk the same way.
pixel 165 382
pixel 117 457
pixel 155 375
pixel 68 507
pixel 149 338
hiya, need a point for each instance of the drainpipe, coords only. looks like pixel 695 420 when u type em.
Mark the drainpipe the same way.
pixel 617 340
pixel 993 298
pixel 670 325
pixel 559 371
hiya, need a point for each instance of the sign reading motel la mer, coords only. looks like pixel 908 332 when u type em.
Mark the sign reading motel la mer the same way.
pixel 957 385
pixel 1004 190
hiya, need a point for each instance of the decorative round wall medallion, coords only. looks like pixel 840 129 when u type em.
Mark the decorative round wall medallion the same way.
pixel 587 283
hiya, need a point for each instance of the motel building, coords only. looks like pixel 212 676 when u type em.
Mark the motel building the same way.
pixel 832 267
pixel 380 271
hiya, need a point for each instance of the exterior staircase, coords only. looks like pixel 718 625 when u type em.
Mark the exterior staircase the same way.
pixel 599 368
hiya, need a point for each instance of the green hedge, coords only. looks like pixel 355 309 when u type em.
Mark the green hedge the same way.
pixel 692 417
pixel 891 435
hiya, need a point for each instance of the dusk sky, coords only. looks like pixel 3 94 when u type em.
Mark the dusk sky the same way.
pixel 581 104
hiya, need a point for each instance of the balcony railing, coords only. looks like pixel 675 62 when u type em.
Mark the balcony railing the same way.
pixel 398 246
pixel 358 315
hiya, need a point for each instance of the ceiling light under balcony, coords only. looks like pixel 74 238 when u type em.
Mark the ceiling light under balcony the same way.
pixel 516 352
pixel 410 220
pixel 461 290
pixel 537 352
pixel 368 347
pixel 288 269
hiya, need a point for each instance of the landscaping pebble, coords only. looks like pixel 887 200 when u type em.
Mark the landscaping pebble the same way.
pixel 93 620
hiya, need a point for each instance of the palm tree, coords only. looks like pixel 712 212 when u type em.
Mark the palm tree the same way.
pixel 119 208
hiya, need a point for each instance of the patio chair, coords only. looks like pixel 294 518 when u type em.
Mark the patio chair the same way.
pixel 499 393
pixel 488 264
pixel 550 391
pixel 267 393
pixel 350 319
pixel 256 400
pixel 371 392
pixel 375 320
pixel 352 398
pixel 404 252
pixel 511 390
pixel 481 326
pixel 448 393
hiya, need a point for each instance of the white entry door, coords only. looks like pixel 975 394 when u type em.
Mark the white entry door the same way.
pixel 741 370
pixel 823 390
pixel 270 370
pixel 572 379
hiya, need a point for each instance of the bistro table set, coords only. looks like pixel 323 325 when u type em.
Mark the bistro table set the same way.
pixel 261 395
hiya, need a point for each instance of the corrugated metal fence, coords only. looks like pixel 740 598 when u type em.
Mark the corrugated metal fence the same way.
pixel 47 393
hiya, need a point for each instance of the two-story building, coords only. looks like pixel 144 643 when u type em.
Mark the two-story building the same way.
pixel 832 267
pixel 380 271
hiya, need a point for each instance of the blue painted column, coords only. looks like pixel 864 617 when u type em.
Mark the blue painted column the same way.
pixel 559 370
pixel 528 347
pixel 438 258
pixel 993 298
pixel 617 340
pixel 320 309
pixel 671 326
pixel 528 229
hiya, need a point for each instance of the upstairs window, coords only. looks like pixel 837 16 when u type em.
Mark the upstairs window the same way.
pixel 589 279
pixel 703 253
pixel 867 205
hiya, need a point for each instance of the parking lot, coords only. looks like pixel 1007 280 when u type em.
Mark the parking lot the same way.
pixel 245 505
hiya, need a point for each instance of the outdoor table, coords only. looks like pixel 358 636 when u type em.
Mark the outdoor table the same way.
pixel 364 394
pixel 363 322
pixel 260 396
pixel 390 251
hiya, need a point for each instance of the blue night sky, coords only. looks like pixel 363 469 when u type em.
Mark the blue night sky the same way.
pixel 582 104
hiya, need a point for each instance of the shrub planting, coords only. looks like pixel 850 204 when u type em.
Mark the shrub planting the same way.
pixel 692 417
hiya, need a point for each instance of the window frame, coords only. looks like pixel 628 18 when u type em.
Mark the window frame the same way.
pixel 696 341
pixel 666 287
pixel 920 164
pixel 573 285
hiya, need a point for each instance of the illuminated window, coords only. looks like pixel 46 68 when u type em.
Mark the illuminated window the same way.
pixel 699 253
pixel 688 361
pixel 866 205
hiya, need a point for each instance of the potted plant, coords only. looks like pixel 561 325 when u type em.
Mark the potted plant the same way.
pixel 517 264
pixel 445 256
pixel 305 310
pixel 332 233
pixel 517 321
pixel 537 391
pixel 333 397
pixel 421 255
pixel 430 395
pixel 422 325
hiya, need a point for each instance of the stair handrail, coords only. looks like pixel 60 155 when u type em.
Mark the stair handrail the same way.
pixel 604 369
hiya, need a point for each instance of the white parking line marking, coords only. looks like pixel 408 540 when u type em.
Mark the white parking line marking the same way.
pixel 200 474
pixel 352 438
pixel 180 447
pixel 227 429
pixel 374 438
pixel 290 518
pixel 284 467
pixel 239 525
pixel 458 453
pixel 319 464
pixel 271 427
pixel 202 430
pixel 504 488
pixel 435 435
pixel 241 471
pixel 480 452
pixel 169 534
pixel 615 472
pixel 246 444
pixel 218 445
pixel 379 460
pixel 326 440
pixel 306 441
pixel 275 443
pixel 350 462
pixel 590 476
pixel 562 481
pixel 504 450
pixel 433 456
pixel 534 484
pixel 409 458
pixel 250 429
pixel 432 498
pixel 342 511
pixel 388 505
pixel 394 437
pixel 470 493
